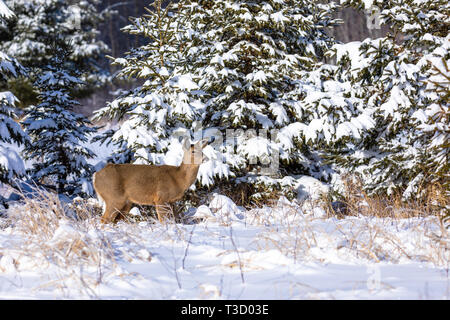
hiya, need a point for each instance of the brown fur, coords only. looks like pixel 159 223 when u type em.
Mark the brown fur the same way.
pixel 121 185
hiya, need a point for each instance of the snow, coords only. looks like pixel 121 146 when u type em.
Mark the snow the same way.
pixel 352 50
pixel 11 161
pixel 368 4
pixel 309 188
pixel 8 98
pixel 281 252
pixel 9 66
pixel 279 17
pixel 292 250
pixel 289 250
pixel 185 82
pixel 223 207
pixel 46 123
pixel 5 12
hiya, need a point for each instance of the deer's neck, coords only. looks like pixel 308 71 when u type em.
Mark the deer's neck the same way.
pixel 188 174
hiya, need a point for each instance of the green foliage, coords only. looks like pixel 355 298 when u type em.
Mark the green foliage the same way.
pixel 23 88
pixel 57 134
pixel 436 129
pixel 394 78
pixel 36 21
pixel 216 66
pixel 167 100
pixel 11 164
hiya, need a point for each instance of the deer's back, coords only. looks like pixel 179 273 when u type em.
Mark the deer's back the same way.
pixel 143 184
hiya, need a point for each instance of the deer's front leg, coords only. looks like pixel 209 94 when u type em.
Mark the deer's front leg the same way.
pixel 110 213
pixel 163 210
pixel 125 210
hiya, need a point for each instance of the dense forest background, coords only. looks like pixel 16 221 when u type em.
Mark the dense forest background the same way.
pixel 354 28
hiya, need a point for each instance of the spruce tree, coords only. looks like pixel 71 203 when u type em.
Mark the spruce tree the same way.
pixel 225 65
pixel 78 21
pixel 434 126
pixel 251 57
pixel 167 101
pixel 390 77
pixel 57 133
pixel 11 164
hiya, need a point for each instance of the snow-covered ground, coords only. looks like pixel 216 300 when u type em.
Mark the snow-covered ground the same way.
pixel 225 252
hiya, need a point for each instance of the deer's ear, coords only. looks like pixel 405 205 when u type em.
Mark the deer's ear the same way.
pixel 203 143
pixel 186 144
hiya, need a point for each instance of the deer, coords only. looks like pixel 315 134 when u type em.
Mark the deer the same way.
pixel 119 186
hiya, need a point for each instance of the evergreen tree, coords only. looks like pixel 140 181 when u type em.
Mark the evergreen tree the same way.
pixel 389 76
pixel 88 51
pixel 167 101
pixel 36 19
pixel 57 134
pixel 434 126
pixel 251 57
pixel 11 164
pixel 226 65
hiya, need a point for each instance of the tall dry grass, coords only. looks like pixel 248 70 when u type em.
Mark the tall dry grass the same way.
pixel 360 226
pixel 67 242
pixel 80 253
pixel 356 201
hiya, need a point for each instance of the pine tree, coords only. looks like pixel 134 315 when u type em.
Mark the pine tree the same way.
pixel 36 19
pixel 166 101
pixel 57 133
pixel 11 164
pixel 390 76
pixel 434 126
pixel 88 51
pixel 251 57
pixel 224 65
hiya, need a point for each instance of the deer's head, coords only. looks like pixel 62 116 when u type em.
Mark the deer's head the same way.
pixel 193 153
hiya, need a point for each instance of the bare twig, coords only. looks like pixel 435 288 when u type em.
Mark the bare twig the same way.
pixel 187 246
pixel 237 252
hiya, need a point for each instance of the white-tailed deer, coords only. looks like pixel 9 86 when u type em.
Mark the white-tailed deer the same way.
pixel 120 186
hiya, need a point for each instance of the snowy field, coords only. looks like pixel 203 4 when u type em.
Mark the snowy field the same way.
pixel 222 252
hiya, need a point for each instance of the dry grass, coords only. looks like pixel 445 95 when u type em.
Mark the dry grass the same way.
pixel 81 254
pixel 371 228
pixel 358 202
pixel 69 239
